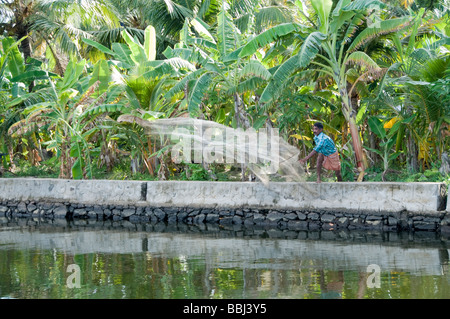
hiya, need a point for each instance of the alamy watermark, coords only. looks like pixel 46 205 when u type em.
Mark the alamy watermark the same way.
pixel 74 279
pixel 374 279
pixel 198 144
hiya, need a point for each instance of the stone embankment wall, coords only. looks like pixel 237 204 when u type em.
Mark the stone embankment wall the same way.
pixel 297 206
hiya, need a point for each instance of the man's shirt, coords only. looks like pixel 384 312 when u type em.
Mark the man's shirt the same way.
pixel 324 144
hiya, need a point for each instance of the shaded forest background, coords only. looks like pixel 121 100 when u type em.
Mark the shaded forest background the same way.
pixel 376 73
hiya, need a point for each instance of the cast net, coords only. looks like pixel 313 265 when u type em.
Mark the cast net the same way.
pixel 268 156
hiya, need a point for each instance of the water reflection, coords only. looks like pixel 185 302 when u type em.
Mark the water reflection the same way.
pixel 125 260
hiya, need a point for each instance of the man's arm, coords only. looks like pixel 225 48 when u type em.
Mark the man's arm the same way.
pixel 303 160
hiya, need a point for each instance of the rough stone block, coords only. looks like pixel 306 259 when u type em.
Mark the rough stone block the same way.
pixel 160 214
pixel 128 212
pixel 327 218
pixel 275 216
pixel 31 207
pixel 212 218
pixel 423 225
pixel 297 225
pixel 3 210
pixel 60 211
pixel 22 207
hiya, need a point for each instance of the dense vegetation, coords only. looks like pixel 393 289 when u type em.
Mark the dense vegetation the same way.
pixel 376 73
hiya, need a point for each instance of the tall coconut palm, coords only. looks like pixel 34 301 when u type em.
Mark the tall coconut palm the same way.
pixel 215 48
pixel 58 25
pixel 15 23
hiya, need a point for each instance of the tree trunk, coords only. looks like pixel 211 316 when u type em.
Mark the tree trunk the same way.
pixel 151 163
pixel 241 116
pixel 412 162
pixel 357 144
pixel 373 145
pixel 242 121
pixel 350 116
pixel 237 104
pixel 25 45
pixel 59 68
pixel 65 171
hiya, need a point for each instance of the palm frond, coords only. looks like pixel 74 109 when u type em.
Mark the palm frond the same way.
pixel 198 91
pixel 362 59
pixel 167 67
pixel 310 48
pixel 357 20
pixel 250 84
pixel 202 29
pixel 435 69
pixel 382 27
pixel 270 16
pixel 255 68
pixel 181 84
pixel 268 37
pixel 363 5
pixel 227 34
pixel 104 108
pixel 208 8
pixel 279 78
pixel 307 52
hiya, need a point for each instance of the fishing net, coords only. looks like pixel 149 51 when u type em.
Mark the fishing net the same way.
pixel 263 151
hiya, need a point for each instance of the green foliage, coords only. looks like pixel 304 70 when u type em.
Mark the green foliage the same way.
pixel 46 169
pixel 388 138
pixel 194 172
pixel 286 64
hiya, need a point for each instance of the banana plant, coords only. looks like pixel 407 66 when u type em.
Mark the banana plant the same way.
pixel 15 77
pixel 408 90
pixel 8 55
pixel 138 70
pixel 61 108
pixel 329 45
pixel 143 79
pixel 388 137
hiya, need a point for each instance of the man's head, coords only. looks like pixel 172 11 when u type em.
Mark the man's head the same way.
pixel 317 128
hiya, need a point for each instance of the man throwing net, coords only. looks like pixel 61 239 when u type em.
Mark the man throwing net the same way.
pixel 328 156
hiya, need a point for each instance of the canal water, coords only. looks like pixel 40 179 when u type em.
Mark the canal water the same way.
pixel 83 259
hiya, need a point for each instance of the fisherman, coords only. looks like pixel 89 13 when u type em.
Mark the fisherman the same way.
pixel 328 155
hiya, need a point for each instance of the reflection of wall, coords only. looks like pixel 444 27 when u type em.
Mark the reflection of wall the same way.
pixel 247 253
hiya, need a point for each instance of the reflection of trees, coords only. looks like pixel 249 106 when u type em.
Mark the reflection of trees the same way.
pixel 42 274
pixel 331 284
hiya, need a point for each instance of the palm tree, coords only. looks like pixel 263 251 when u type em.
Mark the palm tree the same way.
pixel 15 21
pixel 166 16
pixel 332 44
pixel 215 50
pixel 59 26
